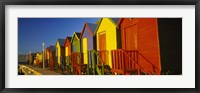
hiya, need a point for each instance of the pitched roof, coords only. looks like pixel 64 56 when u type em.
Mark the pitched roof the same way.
pixel 113 20
pixel 61 42
pixel 78 34
pixel 69 38
pixel 75 34
pixel 116 20
pixel 92 26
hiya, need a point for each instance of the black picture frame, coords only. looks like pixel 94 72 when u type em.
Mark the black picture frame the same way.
pixel 3 3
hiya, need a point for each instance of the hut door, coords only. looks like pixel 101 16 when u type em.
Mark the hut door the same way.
pixel 85 50
pixel 102 46
pixel 66 51
pixel 130 38
pixel 66 54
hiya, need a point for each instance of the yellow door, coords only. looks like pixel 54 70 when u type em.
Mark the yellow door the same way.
pixel 85 49
pixel 66 51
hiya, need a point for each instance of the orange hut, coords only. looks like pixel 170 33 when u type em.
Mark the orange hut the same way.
pixel 52 58
pixel 141 47
pixel 68 53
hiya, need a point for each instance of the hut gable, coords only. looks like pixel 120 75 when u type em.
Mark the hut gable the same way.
pixel 89 28
pixel 76 36
pixel 75 42
pixel 113 21
pixel 61 42
pixel 67 41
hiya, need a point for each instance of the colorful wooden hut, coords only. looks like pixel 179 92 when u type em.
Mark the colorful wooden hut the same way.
pixel 60 53
pixel 52 58
pixel 46 53
pixel 68 53
pixel 39 59
pixel 106 38
pixel 87 41
pixel 76 53
pixel 140 52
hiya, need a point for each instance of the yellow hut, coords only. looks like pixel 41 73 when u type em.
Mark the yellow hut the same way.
pixel 106 37
pixel 39 59
pixel 60 53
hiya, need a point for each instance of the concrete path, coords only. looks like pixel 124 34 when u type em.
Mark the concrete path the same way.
pixel 40 71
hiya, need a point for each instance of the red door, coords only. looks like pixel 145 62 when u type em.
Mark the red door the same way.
pixel 130 44
pixel 102 47
pixel 130 38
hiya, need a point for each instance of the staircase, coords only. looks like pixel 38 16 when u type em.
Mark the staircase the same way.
pixel 97 66
pixel 68 65
pixel 126 62
pixel 62 65
pixel 78 68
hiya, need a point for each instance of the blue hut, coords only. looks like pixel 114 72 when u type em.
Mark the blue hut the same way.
pixel 87 42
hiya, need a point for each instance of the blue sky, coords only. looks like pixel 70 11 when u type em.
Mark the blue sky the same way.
pixel 33 31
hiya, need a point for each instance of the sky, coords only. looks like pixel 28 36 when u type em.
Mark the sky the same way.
pixel 33 31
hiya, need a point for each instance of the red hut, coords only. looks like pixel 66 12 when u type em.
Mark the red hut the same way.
pixel 140 47
pixel 146 42
pixel 52 58
pixel 68 53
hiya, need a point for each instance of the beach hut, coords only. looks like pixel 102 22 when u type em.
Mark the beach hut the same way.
pixel 34 62
pixel 39 59
pixel 106 38
pixel 140 50
pixel 76 53
pixel 87 41
pixel 68 53
pixel 52 57
pixel 60 53
pixel 46 53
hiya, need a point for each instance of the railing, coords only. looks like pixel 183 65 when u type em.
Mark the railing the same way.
pixel 68 60
pixel 153 66
pixel 97 61
pixel 127 60
pixel 76 62
pixel 68 64
pixel 103 56
pixel 51 64
pixel 62 64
